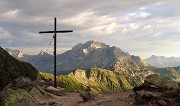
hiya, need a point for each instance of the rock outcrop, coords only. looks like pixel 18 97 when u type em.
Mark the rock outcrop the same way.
pixel 25 92
pixel 156 90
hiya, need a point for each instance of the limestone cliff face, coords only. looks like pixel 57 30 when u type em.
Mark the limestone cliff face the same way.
pixel 97 54
pixel 79 74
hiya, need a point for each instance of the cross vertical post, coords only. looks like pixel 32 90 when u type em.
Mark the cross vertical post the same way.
pixel 54 52
pixel 55 31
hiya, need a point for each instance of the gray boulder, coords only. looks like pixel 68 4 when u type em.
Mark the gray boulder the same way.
pixel 161 82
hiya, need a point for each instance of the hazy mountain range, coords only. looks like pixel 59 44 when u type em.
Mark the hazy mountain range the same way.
pixel 88 55
pixel 162 61
pixel 83 56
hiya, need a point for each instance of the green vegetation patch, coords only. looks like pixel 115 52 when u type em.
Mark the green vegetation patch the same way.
pixel 19 97
pixel 100 80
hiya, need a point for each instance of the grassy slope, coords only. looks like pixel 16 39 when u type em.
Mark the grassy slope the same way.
pixel 100 80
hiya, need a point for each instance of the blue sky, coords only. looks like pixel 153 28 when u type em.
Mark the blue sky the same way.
pixel 140 27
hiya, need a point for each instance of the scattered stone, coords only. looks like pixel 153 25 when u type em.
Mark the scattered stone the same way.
pixel 162 103
pixel 52 103
pixel 58 92
pixel 52 88
pixel 87 95
pixel 131 103
pixel 42 103
pixel 43 83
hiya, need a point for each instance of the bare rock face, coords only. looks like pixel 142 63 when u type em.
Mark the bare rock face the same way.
pixel 55 91
pixel 96 54
pixel 23 83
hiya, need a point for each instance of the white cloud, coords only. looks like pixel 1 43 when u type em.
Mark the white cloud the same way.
pixel 111 28
pixel 4 34
pixel 79 19
pixel 143 8
pixel 147 26
pixel 143 14
pixel 11 13
pixel 138 14
pixel 133 26
pixel 87 20
pixel 124 30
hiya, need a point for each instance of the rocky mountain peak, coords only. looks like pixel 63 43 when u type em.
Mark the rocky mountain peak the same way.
pixel 95 44
pixel 42 53
pixel 15 53
pixel 21 54
pixel 90 45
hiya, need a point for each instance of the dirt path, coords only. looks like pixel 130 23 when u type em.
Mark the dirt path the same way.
pixel 105 99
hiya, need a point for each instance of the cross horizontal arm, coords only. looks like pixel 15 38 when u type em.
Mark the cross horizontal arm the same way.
pixel 63 31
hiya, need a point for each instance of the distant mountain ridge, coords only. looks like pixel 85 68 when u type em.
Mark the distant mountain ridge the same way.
pixel 162 61
pixel 41 61
pixel 85 56
pixel 15 53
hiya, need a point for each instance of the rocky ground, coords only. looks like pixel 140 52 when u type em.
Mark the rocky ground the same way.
pixel 105 99
pixel 23 91
pixel 156 91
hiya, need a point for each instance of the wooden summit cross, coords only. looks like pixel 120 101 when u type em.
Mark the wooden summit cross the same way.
pixel 55 31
